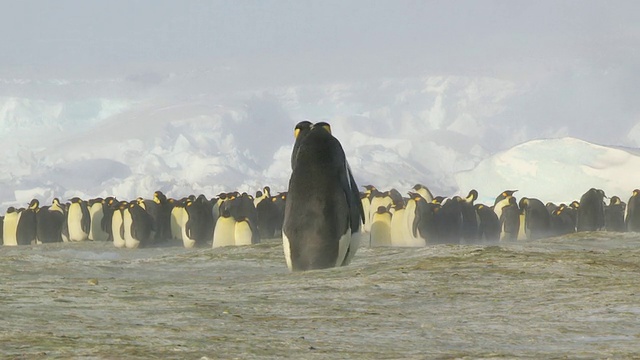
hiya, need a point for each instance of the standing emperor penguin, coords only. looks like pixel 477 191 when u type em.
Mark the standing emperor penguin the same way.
pixel 614 215
pixel 323 212
pixel 632 220
pixel 117 224
pixel 96 214
pixel 26 231
pixel 535 222
pixel 591 211
pixel 10 227
pixel 49 222
pixel 224 231
pixel 78 220
pixel 381 227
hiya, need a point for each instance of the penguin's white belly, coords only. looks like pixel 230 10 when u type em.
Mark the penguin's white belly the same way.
pixel 10 229
pixel 95 231
pixel 116 226
pixel 74 223
pixel 224 232
pixel 127 222
pixel 381 230
pixel 242 233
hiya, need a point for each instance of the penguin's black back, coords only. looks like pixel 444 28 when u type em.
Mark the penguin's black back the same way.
pixel 323 201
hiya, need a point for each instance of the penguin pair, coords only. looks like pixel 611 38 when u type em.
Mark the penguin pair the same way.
pixel 232 232
pixel 323 213
pixel 488 224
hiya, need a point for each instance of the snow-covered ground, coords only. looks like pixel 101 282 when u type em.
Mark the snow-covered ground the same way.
pixel 449 133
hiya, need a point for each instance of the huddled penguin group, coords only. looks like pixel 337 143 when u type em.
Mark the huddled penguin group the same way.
pixel 227 219
pixel 415 220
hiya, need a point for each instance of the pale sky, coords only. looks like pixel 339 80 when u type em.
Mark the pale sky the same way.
pixel 579 59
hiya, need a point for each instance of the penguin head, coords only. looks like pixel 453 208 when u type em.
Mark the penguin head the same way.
pixel 524 202
pixel 322 125
pixel 614 201
pixel 11 209
pixel 473 196
pixel 636 192
pixel 382 209
pixel 267 191
pixel 34 204
pixel 438 200
pixel 75 200
pixel 301 127
pixel 159 197
pixel 575 204
pixel 258 194
pixel 56 201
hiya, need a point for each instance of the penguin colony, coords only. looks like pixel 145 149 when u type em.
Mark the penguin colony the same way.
pixel 322 218
pixel 227 219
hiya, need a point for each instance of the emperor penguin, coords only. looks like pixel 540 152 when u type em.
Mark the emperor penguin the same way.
pixel 614 215
pixel 242 232
pixel 424 192
pixel 509 219
pixel 2 230
pixel 632 220
pixel 267 217
pixel 162 218
pixel 535 220
pixel 10 227
pixel 425 227
pixel 591 211
pixel 450 221
pixel 78 220
pixel 323 213
pixel 117 224
pixel 26 231
pixel 177 215
pixel 49 222
pixel 488 223
pixel 96 214
pixel 503 195
pixel 469 227
pixel 365 199
pixel 280 200
pixel 224 231
pixel 137 222
pixel 381 227
pixel 378 199
pixel 399 227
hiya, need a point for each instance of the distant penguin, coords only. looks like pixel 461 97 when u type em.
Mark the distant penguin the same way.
pixel 78 220
pixel 241 207
pixel 1 230
pixel 267 217
pixel 399 227
pixel 117 224
pixel 509 219
pixel 535 221
pixel 10 227
pixel 26 231
pixel 177 214
pixel 562 221
pixel 424 192
pixel 365 199
pixel 424 229
pixel 243 232
pixel 96 214
pixel 632 220
pixel 323 213
pixel 469 227
pixel 110 205
pixel 450 221
pixel 378 199
pixel 381 227
pixel 488 223
pixel 591 211
pixel 224 231
pixel 281 201
pixel 614 215
pixel 49 222
pixel 139 232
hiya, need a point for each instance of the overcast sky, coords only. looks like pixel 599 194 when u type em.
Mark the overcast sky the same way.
pixel 581 58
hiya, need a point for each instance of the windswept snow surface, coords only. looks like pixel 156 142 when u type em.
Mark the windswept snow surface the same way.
pixel 438 131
